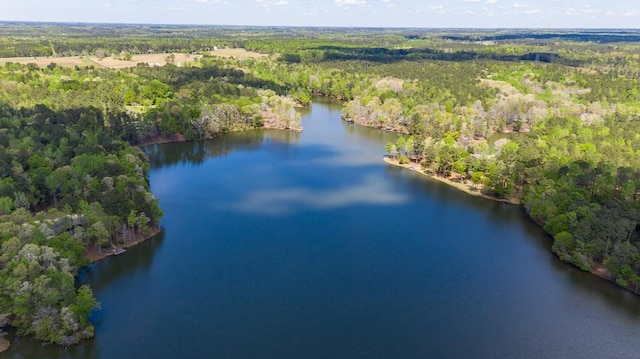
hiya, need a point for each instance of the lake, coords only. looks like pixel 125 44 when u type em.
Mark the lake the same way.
pixel 308 245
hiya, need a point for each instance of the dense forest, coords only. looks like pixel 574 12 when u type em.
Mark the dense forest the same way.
pixel 549 119
pixel 73 187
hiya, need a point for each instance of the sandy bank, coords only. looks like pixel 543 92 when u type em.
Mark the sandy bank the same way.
pixel 4 344
pixel 464 187
pixel 96 255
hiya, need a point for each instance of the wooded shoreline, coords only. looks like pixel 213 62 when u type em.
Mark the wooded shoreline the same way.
pixel 95 255
pixel 468 189
pixel 4 343
pixel 524 115
pixel 599 270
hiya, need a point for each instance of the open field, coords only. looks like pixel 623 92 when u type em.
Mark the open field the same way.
pixel 115 63
pixel 240 54
pixel 44 61
pixel 151 59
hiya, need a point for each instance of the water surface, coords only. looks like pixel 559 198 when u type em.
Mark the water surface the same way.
pixel 286 245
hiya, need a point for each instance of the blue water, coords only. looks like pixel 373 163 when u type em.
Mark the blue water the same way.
pixel 285 245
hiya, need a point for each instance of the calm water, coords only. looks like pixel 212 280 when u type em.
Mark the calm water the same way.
pixel 281 245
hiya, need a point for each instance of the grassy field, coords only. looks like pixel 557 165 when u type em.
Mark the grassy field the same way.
pixel 240 54
pixel 151 59
pixel 44 61
pixel 114 63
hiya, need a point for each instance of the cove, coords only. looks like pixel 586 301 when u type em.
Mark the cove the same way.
pixel 308 245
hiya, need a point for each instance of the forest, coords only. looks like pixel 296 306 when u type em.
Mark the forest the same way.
pixel 549 119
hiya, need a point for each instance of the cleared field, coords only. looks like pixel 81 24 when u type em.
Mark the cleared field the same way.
pixel 114 63
pixel 44 61
pixel 240 54
pixel 151 59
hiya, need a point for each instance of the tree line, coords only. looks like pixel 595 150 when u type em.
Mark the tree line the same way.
pixel 559 136
pixel 72 182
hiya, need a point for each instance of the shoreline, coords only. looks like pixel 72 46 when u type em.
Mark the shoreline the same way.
pixel 95 256
pixel 178 137
pixel 598 269
pixel 4 343
pixel 360 122
pixel 415 167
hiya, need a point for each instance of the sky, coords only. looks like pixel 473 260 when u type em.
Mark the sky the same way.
pixel 350 13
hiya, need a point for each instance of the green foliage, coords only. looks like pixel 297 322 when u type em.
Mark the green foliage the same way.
pixel 563 141
pixel 391 149
pixel 553 121
pixel 38 291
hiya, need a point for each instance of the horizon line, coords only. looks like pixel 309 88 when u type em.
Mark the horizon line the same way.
pixel 317 26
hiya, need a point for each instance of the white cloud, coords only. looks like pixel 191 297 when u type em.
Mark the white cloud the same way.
pixel 261 3
pixel 205 1
pixel 623 13
pixel 571 11
pixel 389 3
pixel 349 3
pixel 415 13
pixel 267 4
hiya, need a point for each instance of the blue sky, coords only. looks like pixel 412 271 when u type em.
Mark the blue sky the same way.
pixel 376 13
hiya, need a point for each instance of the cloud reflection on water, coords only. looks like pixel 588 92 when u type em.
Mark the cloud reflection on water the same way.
pixel 373 190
